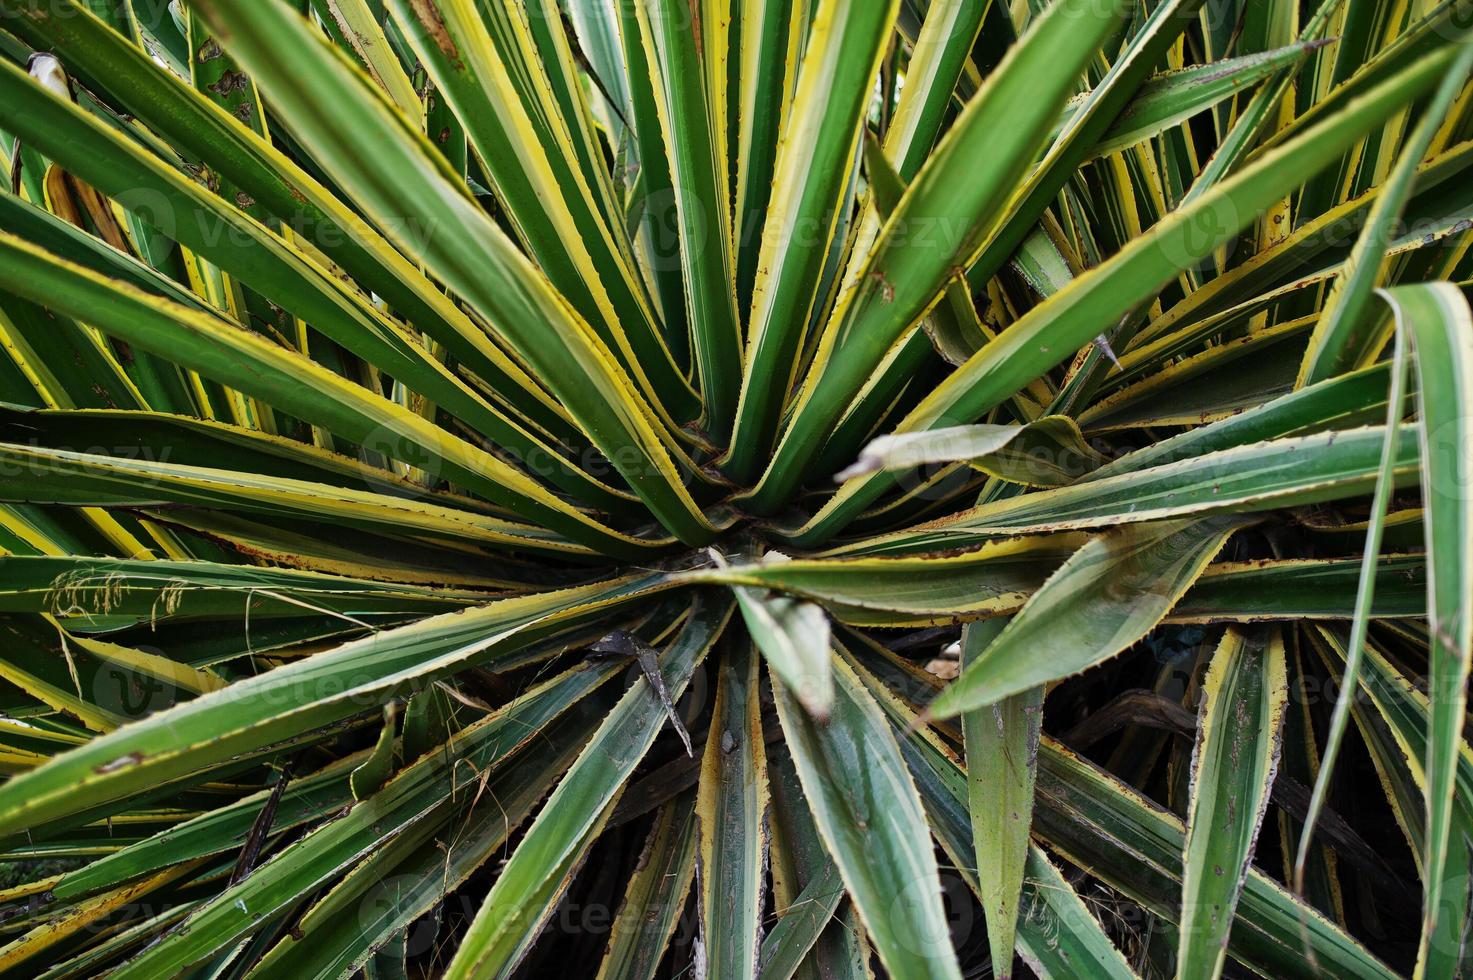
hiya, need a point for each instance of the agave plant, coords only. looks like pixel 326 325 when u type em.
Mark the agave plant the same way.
pixel 648 488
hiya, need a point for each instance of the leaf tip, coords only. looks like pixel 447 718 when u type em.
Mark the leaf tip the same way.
pixel 863 466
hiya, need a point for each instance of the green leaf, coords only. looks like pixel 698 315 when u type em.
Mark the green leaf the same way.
pixel 1312 254
pixel 353 24
pixel 253 364
pixel 84 592
pixel 371 153
pixel 72 367
pixel 1220 382
pixel 225 233
pixel 429 721
pixel 1047 452
pixel 369 776
pixel 389 892
pixel 731 807
pixel 1057 327
pixel 1353 399
pixel 1089 817
pixel 654 216
pixel 685 110
pixel 463 359
pixel 1002 759
pixel 416 801
pixel 1363 600
pixel 1343 337
pixel 1093 820
pixel 1087 124
pixel 1062 938
pixel 794 639
pixel 59 476
pixel 963 187
pixel 1284 472
pixel 1234 761
pixel 994 578
pixel 300 696
pixel 536 175
pixel 870 815
pixel 1108 595
pixel 787 944
pixel 1302 589
pixel 1404 713
pixel 820 943
pixel 564 830
pixel 307 798
pixel 1440 323
pixel 666 869
pixel 1172 97
pixel 109 63
pixel 815 158
pixel 1057 936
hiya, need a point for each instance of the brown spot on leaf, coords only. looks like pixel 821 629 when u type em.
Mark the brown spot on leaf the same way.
pixel 230 81
pixel 426 14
